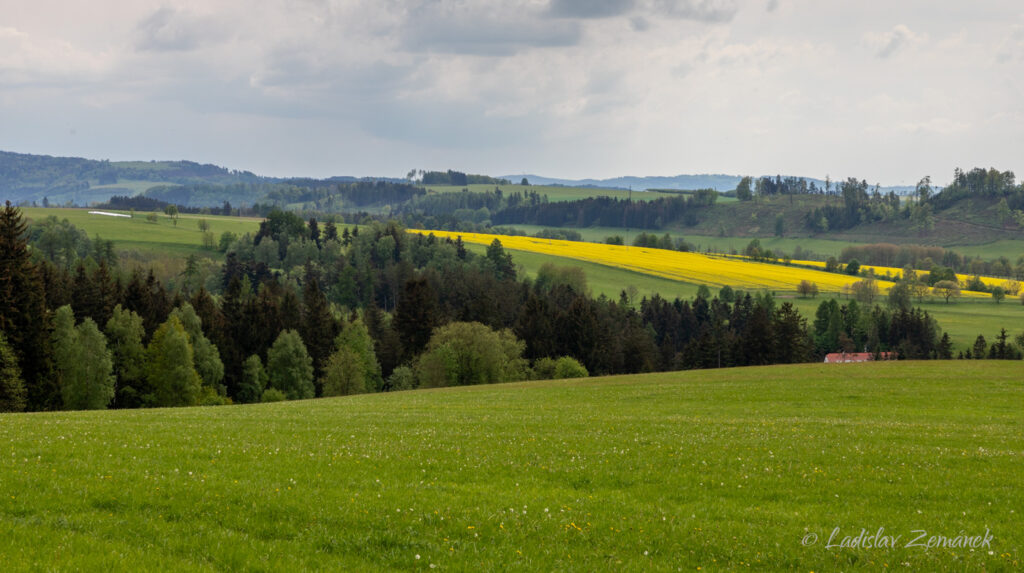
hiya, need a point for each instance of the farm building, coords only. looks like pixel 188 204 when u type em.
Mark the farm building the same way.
pixel 838 357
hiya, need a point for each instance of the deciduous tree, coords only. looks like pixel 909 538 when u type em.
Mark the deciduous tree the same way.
pixel 83 362
pixel 170 368
pixel 289 366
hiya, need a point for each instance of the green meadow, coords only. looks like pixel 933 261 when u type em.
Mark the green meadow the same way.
pixel 767 468
pixel 139 234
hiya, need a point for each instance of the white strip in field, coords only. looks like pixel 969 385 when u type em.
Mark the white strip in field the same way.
pixel 109 214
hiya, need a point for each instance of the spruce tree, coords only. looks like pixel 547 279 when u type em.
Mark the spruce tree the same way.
pixel 319 327
pixel 23 317
pixel 416 315
pixel 12 387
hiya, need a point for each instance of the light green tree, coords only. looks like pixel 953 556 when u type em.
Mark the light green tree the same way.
pixel 170 369
pixel 289 366
pixel 254 380
pixel 465 353
pixel 83 362
pixel 353 367
pixel 205 355
pixel 124 333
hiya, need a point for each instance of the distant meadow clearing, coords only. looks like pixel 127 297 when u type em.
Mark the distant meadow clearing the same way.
pixel 702 470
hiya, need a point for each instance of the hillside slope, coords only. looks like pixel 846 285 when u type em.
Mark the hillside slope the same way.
pixel 714 470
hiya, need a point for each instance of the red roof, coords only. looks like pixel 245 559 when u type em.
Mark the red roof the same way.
pixel 838 357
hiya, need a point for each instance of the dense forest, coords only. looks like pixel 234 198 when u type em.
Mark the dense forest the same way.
pixel 302 310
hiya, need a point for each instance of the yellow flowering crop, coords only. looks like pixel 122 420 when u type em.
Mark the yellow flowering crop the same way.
pixel 693 268
pixel 896 273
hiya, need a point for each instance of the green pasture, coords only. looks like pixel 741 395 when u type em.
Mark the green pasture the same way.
pixel 163 236
pixel 720 470
pixel 1012 249
pixel 130 187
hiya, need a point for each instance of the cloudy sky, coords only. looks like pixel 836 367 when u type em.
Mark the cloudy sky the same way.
pixel 886 91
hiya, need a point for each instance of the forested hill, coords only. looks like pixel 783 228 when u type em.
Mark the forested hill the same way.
pixel 26 178
pixel 718 182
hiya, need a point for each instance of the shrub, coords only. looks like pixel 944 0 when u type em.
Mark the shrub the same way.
pixel 569 367
pixel 403 378
pixel 273 395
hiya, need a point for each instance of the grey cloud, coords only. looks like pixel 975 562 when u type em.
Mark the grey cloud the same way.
pixel 639 23
pixel 772 5
pixel 491 31
pixel 711 11
pixel 590 8
pixel 168 29
pixel 446 125
pixel 893 41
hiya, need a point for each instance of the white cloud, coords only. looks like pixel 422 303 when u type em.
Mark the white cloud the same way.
pixel 28 59
pixel 559 86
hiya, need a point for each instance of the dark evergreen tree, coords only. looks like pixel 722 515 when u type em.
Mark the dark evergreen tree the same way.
pixel 386 341
pixel 945 349
pixel 979 347
pixel 12 387
pixel 23 317
pixel 330 231
pixel 416 315
pixel 500 261
pixel 319 327
pixel 314 231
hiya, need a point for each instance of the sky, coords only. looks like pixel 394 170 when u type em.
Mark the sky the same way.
pixel 884 91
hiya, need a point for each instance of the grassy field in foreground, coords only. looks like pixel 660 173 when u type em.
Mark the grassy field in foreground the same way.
pixel 139 234
pixel 709 470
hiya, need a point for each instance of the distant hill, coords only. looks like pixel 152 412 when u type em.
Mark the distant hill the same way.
pixel 26 178
pixel 718 182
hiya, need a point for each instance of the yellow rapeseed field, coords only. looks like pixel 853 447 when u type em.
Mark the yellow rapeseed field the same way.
pixel 897 273
pixel 692 268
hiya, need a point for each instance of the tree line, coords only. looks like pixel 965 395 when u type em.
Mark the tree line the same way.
pixel 610 212
pixel 371 309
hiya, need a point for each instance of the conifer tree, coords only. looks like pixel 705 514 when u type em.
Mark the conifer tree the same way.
pixel 319 327
pixel 23 313
pixel 12 387
pixel 416 315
